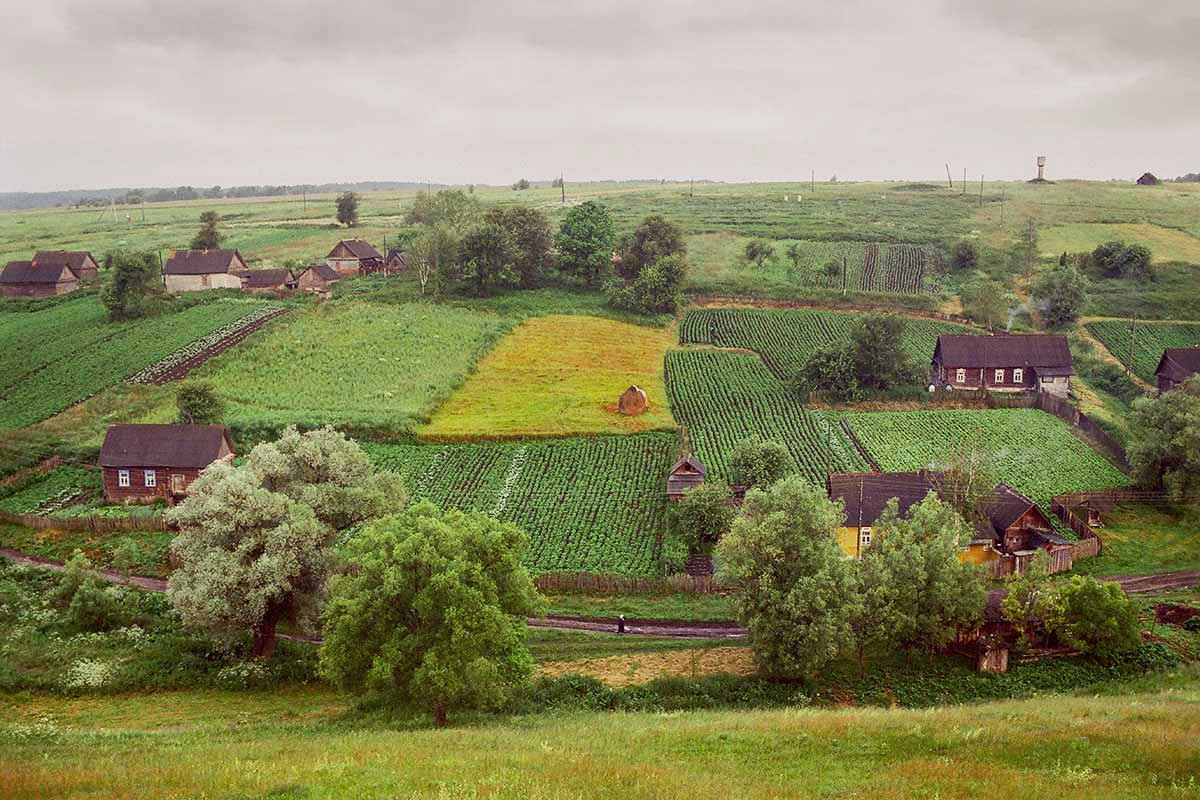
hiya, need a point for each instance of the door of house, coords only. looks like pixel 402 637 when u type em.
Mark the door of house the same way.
pixel 177 484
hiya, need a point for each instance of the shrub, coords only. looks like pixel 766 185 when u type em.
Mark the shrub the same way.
pixel 1098 618
pixel 965 257
pixel 755 461
pixel 1192 624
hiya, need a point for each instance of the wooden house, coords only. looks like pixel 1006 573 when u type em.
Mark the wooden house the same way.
pixel 266 281
pixel 142 463
pixel 354 257
pixel 316 278
pixel 80 262
pixel 395 262
pixel 1177 365
pixel 687 474
pixel 25 279
pixel 197 270
pixel 1148 179
pixel 1003 363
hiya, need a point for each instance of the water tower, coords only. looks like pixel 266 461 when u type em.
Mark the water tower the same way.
pixel 1041 168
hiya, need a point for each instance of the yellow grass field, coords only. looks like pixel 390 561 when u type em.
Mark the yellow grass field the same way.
pixel 633 669
pixel 1167 244
pixel 560 375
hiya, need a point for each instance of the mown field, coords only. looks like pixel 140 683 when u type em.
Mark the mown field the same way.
pixel 560 375
pixel 787 338
pixel 59 356
pixel 593 504
pixel 1149 340
pixel 1032 451
pixel 1167 244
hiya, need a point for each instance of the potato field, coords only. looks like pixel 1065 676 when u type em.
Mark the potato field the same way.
pixel 722 397
pixel 1150 339
pixel 900 269
pixel 594 504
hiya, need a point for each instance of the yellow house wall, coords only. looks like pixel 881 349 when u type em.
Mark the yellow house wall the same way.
pixel 848 540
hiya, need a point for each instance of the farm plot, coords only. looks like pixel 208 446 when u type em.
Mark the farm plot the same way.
pixel 721 398
pixel 786 338
pixel 593 504
pixel 901 269
pixel 52 492
pixel 31 340
pixel 384 367
pixel 1150 340
pixel 72 364
pixel 1033 452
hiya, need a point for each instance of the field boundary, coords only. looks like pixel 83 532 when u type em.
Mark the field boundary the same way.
pixel 1068 413
pixel 91 523
pixel 593 583
pixel 858 445
pixel 748 301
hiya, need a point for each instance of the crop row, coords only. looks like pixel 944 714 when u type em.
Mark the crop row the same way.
pixel 786 338
pixel 30 341
pixel 721 398
pixel 1149 340
pixel 592 504
pixel 164 366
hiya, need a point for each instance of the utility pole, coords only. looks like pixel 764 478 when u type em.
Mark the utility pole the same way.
pixel 964 182
pixel 562 185
pixel 691 187
pixel 948 178
pixel 981 190
pixel 1132 341
pixel 843 274
pixel 304 200
pixel 812 182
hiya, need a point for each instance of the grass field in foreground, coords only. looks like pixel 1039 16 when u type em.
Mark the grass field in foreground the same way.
pixel 299 744
pixel 560 375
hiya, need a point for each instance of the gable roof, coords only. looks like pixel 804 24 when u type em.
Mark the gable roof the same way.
pixel 1003 350
pixel 27 272
pixel 324 272
pixel 395 255
pixel 182 446
pixel 358 248
pixel 264 278
pixel 73 260
pixel 1179 361
pixel 203 262
pixel 691 462
pixel 865 494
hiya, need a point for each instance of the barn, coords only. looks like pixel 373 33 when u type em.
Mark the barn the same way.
pixel 1148 179
pixel 197 270
pixel 687 474
pixel 80 262
pixel 1003 363
pixel 354 257
pixel 25 279
pixel 1177 365
pixel 266 281
pixel 316 278
pixel 142 463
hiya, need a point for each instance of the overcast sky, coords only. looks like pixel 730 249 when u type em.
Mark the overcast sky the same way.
pixel 103 93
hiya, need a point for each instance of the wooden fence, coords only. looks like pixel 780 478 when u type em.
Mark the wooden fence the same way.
pixel 552 582
pixel 92 524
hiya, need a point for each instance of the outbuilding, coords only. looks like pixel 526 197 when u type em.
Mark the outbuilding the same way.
pixel 266 281
pixel 354 257
pixel 197 270
pixel 687 474
pixel 25 279
pixel 1177 365
pixel 316 278
pixel 80 262
pixel 142 463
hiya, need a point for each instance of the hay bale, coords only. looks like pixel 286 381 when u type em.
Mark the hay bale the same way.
pixel 632 402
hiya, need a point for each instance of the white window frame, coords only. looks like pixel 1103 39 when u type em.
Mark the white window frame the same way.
pixel 1018 375
pixel 864 537
pixel 150 479
pixel 960 375
pixel 999 376
pixel 123 478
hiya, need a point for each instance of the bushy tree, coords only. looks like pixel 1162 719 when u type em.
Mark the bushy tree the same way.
pixel 793 589
pixel 654 238
pixel 880 360
pixel 1098 619
pixel 1165 447
pixel 89 603
pixel 433 255
pixel 1032 605
pixel 794 254
pixel 703 516
pixel 347 209
pixel 757 462
pixel 198 404
pixel 520 185
pixel 655 290
pixel 758 252
pixel 487 256
pixel 1120 260
pixel 530 232
pixel 967 481
pixel 432 612
pixel 1060 293
pixel 965 257
pixel 831 373
pixel 585 240
pixel 832 269
pixel 209 237
pixel 136 286
pixel 454 208
pixel 255 540
pixel 986 301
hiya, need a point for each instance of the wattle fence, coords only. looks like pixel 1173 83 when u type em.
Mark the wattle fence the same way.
pixel 552 582
pixel 92 524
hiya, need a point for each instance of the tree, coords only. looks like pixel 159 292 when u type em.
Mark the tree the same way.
pixel 88 602
pixel 1098 619
pixel 1060 293
pixel 965 257
pixel 655 290
pixel 433 254
pixel 1164 449
pixel 655 238
pixel 986 301
pixel 757 462
pixel 255 540
pixel 198 403
pixel 1032 606
pixel 433 611
pixel 585 242
pixel 347 209
pixel 832 269
pixel 967 482
pixel 794 255
pixel 135 288
pixel 520 185
pixel 703 516
pixel 758 252
pixel 487 254
pixel 877 346
pixel 452 207
pixel 208 238
pixel 831 373
pixel 792 588
pixel 1119 260
pixel 530 231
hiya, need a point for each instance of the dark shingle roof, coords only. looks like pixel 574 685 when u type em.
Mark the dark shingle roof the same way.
pixel 324 272
pixel 359 248
pixel 1180 361
pixel 691 462
pixel 27 272
pixel 183 446
pixel 395 254
pixel 71 259
pixel 866 493
pixel 202 262
pixel 1007 350
pixel 264 278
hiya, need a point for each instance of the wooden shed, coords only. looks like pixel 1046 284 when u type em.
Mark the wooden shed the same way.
pixel 197 270
pixel 266 281
pixel 25 279
pixel 687 474
pixel 354 257
pixel 316 278
pixel 80 262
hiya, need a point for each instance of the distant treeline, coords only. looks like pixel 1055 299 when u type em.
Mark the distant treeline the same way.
pixel 1191 177
pixel 12 201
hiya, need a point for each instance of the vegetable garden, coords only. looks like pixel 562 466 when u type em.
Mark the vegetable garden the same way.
pixel 1151 339
pixel 594 504
pixel 721 397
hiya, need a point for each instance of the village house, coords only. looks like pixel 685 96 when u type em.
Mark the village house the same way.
pixel 395 262
pixel 266 281
pixel 197 270
pixel 25 279
pixel 316 278
pixel 354 257
pixel 79 262
pixel 1012 530
pixel 142 463
pixel 1003 363
pixel 687 474
pixel 1177 365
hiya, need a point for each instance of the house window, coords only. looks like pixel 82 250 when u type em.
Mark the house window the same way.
pixel 864 536
pixel 151 479
pixel 1018 376
pixel 999 376
pixel 960 376
pixel 123 478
